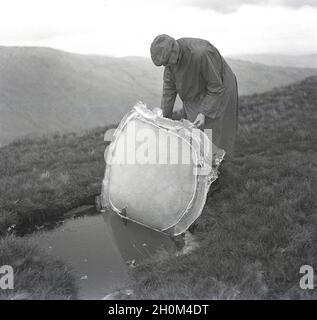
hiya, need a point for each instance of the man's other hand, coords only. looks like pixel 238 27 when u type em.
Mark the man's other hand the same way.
pixel 200 120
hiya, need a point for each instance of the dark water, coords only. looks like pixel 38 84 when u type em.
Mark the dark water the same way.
pixel 101 249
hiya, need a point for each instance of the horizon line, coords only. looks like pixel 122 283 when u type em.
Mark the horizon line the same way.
pixel 281 53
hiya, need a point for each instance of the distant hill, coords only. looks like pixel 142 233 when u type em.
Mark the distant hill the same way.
pixel 44 90
pixel 299 61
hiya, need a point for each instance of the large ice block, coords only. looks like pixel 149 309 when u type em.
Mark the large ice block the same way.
pixel 158 171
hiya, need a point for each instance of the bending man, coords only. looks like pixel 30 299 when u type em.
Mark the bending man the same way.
pixel 195 70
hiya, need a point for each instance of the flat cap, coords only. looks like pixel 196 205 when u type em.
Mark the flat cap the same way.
pixel 161 49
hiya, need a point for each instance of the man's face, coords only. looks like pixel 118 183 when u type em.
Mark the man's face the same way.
pixel 168 62
pixel 173 56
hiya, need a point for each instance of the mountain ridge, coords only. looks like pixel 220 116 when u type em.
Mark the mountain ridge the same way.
pixel 44 90
pixel 286 60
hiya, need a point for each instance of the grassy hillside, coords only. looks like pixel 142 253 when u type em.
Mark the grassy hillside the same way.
pixel 256 230
pixel 37 276
pixel 260 226
pixel 44 90
pixel 41 179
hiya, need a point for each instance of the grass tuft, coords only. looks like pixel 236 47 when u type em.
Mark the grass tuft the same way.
pixel 36 275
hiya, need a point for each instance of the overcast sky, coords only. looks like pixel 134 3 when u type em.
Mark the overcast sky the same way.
pixel 127 27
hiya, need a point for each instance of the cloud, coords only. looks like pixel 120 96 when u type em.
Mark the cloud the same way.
pixel 230 6
pixel 125 27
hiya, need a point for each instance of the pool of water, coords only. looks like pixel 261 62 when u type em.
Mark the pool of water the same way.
pixel 101 248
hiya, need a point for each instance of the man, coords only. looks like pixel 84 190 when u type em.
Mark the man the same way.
pixel 195 70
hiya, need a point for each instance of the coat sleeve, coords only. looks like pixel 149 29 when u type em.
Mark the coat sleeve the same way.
pixel 169 93
pixel 211 103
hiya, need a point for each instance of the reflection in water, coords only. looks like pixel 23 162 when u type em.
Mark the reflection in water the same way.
pixel 134 241
pixel 99 248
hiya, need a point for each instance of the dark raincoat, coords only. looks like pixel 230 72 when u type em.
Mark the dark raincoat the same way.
pixel 206 84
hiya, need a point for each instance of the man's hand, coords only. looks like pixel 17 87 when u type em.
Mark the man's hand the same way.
pixel 200 120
